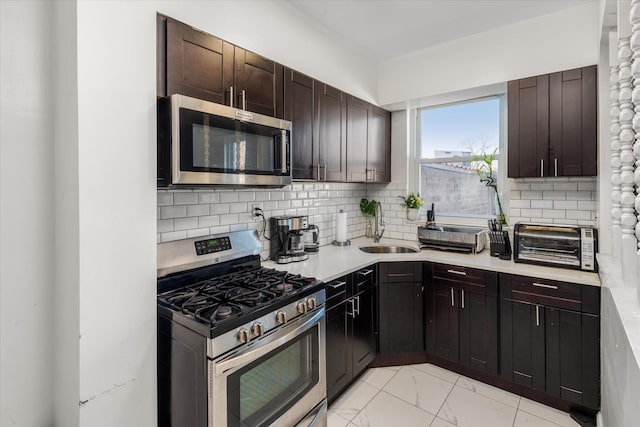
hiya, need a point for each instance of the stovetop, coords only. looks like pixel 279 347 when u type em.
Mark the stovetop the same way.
pixel 220 304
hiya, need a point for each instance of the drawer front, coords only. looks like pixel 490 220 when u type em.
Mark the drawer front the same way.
pixel 337 290
pixel 544 292
pixel 363 279
pixel 461 277
pixel 400 272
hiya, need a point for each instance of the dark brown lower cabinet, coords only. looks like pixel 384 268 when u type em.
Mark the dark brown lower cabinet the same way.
pixel 401 307
pixel 351 328
pixel 462 316
pixel 550 338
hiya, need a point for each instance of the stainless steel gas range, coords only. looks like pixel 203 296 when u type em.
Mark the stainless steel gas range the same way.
pixel 238 345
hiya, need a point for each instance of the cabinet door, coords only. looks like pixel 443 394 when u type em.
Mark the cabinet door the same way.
pixel 444 312
pixel 528 127
pixel 262 81
pixel 198 64
pixel 573 122
pixel 523 343
pixel 364 330
pixel 357 131
pixel 299 109
pixel 338 350
pixel 332 132
pixel 479 331
pixel 572 356
pixel 379 145
pixel 401 317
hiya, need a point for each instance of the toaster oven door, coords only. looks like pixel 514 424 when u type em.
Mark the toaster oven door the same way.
pixel 550 245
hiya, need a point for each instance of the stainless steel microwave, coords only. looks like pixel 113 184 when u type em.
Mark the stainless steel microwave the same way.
pixel 203 143
pixel 556 246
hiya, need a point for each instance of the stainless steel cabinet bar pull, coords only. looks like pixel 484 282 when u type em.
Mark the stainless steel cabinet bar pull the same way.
pixel 356 310
pixel 337 285
pixel 325 171
pixel 556 166
pixel 365 272
pixel 399 274
pixel 244 99
pixel 353 312
pixel 537 315
pixel 453 301
pixel 231 99
pixel 318 172
pixel 462 298
pixel 462 273
pixel 541 168
pixel 542 285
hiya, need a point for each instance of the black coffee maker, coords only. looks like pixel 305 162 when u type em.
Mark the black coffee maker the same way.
pixel 290 246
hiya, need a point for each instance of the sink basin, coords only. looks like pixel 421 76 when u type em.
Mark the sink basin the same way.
pixel 386 249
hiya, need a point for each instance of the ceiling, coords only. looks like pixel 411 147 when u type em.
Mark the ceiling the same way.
pixel 384 29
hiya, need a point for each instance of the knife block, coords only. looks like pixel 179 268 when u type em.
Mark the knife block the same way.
pixel 499 244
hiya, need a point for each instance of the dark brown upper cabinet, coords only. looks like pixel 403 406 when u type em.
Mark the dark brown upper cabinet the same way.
pixel 368 142
pixel 318 114
pixel 299 109
pixel 552 122
pixel 200 65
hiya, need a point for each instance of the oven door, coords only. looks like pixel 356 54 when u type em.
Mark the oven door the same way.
pixel 278 379
pixel 216 144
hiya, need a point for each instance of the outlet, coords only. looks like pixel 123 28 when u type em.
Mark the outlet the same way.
pixel 256 209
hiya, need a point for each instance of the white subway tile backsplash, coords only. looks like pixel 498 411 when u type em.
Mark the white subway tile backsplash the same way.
pixel 553 200
pixel 198 210
pixel 167 212
pixel 565 204
pixel 542 204
pixel 197 232
pixel 246 196
pixel 566 186
pixel 165 225
pixel 208 221
pixel 229 219
pixel 238 207
pixel 520 203
pixel 219 208
pixel 185 223
pixel 208 197
pixel 185 199
pixel 228 197
pixel 165 199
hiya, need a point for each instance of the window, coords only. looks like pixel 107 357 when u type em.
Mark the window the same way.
pixel 450 140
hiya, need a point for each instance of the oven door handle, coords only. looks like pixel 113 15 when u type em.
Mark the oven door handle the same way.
pixel 317 416
pixel 269 343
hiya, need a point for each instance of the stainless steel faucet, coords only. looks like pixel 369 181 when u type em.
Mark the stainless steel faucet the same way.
pixel 377 234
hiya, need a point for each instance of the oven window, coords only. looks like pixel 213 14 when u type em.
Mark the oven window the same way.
pixel 265 389
pixel 219 144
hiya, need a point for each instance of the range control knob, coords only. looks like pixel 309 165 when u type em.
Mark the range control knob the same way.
pixel 257 329
pixel 281 317
pixel 302 307
pixel 311 303
pixel 243 336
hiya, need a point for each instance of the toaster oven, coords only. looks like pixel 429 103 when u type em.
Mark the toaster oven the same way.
pixel 556 246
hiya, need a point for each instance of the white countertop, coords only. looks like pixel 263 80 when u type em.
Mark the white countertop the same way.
pixel 331 262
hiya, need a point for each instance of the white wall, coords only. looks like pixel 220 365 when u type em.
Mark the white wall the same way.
pixel 26 223
pixel 559 41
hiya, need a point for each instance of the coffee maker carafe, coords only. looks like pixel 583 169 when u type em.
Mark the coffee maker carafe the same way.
pixel 290 246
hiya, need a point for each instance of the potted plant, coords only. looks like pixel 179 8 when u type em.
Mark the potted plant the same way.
pixel 412 202
pixel 368 209
pixel 484 170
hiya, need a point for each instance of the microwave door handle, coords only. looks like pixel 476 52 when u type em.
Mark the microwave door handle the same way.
pixel 283 151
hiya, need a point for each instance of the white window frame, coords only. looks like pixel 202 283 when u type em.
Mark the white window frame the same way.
pixel 415 161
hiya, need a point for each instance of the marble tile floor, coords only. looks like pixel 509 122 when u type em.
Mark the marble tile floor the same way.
pixel 425 395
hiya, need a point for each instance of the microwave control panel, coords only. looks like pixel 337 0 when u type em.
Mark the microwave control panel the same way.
pixel 587 249
pixel 220 244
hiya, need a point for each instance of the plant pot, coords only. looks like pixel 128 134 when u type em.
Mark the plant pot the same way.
pixel 369 230
pixel 413 214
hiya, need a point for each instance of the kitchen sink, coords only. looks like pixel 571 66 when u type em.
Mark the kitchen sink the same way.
pixel 387 249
